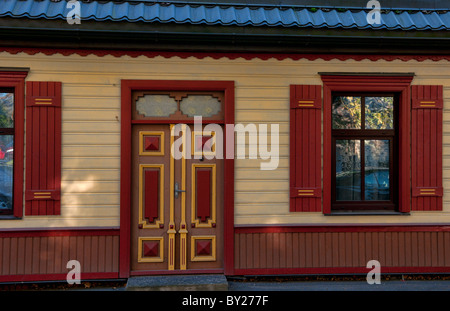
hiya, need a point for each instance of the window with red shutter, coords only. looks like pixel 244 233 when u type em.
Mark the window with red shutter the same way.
pixel 43 148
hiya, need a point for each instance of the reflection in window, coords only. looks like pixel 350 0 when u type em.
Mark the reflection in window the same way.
pixel 379 113
pixel 6 110
pixel 156 105
pixel 200 105
pixel 346 112
pixel 376 156
pixel 6 171
pixel 348 170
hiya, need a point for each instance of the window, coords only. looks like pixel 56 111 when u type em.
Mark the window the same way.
pixel 11 142
pixel 6 150
pixel 373 145
pixel 364 144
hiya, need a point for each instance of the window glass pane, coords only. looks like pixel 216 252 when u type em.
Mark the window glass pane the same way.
pixel 376 170
pixel 6 110
pixel 346 112
pixel 156 105
pixel 6 171
pixel 200 105
pixel 379 113
pixel 348 170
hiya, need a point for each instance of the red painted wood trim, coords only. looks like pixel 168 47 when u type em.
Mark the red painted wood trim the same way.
pixel 43 174
pixel 427 135
pixel 125 179
pixel 16 80
pixel 45 232
pixel 218 55
pixel 344 228
pixel 127 86
pixel 305 148
pixel 152 198
pixel 57 277
pixel 398 84
pixel 203 194
pixel 340 270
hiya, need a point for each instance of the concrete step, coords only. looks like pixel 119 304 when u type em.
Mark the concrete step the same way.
pixel 202 282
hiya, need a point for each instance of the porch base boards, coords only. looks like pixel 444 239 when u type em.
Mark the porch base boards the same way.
pixel 341 249
pixel 42 255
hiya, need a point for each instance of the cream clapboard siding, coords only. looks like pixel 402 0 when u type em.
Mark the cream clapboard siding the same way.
pixel 91 130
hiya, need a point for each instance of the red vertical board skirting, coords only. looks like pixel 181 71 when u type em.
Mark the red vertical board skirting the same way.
pixel 204 200
pixel 43 148
pixel 427 106
pixel 305 148
pixel 151 195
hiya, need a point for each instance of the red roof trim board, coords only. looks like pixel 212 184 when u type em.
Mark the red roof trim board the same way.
pixel 230 55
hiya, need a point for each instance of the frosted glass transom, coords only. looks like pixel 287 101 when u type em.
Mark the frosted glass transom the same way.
pixel 156 105
pixel 200 105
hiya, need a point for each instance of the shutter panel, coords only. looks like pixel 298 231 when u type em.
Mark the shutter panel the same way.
pixel 305 148
pixel 427 106
pixel 43 148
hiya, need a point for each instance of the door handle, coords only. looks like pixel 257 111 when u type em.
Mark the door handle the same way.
pixel 177 190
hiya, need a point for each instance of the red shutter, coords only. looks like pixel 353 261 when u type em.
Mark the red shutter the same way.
pixel 43 148
pixel 305 148
pixel 427 104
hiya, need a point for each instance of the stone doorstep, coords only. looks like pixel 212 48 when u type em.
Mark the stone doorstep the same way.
pixel 178 283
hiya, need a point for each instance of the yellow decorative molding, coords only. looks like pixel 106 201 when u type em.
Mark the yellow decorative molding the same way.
pixel 160 258
pixel 171 232
pixel 194 219
pixel 160 219
pixel 203 133
pixel 142 152
pixel 194 256
pixel 183 227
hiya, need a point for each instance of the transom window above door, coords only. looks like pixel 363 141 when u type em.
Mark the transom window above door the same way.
pixel 184 105
pixel 364 152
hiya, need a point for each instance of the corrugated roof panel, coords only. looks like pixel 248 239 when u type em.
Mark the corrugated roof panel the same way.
pixel 228 15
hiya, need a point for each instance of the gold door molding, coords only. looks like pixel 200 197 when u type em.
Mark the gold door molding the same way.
pixel 195 220
pixel 159 222
pixel 208 253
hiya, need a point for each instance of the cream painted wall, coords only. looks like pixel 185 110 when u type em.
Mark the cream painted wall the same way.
pixel 91 130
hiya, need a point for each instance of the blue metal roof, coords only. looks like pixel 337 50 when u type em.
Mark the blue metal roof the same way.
pixel 210 14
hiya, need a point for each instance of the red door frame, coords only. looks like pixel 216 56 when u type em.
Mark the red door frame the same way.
pixel 127 87
pixel 370 83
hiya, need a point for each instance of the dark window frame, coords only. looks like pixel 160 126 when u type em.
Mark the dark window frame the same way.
pixel 367 134
pixel 14 79
pixel 10 131
pixel 376 83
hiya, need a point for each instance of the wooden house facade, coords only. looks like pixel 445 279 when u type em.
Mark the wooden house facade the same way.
pixel 358 113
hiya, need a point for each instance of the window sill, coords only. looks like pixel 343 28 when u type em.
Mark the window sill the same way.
pixel 366 213
pixel 9 217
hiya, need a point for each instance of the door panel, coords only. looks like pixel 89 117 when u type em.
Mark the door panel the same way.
pixel 177 204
